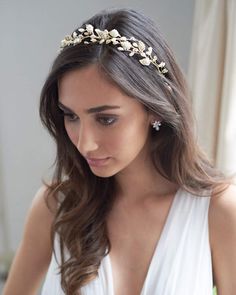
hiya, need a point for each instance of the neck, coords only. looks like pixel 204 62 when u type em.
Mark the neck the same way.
pixel 140 180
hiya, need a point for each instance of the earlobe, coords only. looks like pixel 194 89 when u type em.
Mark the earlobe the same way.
pixel 154 118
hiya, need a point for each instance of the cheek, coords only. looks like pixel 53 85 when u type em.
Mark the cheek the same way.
pixel 128 140
pixel 72 133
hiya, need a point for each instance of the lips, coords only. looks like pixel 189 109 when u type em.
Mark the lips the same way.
pixel 97 162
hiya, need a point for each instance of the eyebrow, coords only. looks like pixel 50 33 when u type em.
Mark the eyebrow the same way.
pixel 91 110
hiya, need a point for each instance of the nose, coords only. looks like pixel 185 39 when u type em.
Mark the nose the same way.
pixel 86 142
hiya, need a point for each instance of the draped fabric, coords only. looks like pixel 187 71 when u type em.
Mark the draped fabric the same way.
pixel 212 76
pixel 181 263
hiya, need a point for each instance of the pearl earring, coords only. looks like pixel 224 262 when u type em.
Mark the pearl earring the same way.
pixel 156 125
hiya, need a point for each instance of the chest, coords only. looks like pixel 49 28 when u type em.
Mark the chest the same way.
pixel 134 234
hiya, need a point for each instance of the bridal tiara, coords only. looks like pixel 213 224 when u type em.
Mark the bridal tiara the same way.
pixel 89 35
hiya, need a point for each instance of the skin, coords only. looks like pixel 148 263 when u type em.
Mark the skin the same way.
pixel 125 141
pixel 141 207
pixel 222 234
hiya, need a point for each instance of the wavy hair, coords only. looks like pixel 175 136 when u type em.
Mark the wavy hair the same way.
pixel 80 221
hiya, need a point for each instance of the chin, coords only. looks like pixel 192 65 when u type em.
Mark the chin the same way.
pixel 109 169
pixel 105 172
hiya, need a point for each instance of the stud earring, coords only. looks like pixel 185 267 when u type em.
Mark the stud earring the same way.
pixel 156 125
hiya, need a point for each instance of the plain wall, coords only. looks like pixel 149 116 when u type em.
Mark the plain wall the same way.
pixel 31 32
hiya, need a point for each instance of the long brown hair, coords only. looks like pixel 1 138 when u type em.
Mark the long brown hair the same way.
pixel 80 221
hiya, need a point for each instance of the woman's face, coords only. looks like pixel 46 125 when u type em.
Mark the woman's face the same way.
pixel 109 128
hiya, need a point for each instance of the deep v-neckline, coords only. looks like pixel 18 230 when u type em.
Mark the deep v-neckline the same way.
pixel 156 249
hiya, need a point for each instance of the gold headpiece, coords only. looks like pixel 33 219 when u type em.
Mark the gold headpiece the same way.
pixel 132 45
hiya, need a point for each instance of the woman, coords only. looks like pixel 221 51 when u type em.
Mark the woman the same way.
pixel 134 206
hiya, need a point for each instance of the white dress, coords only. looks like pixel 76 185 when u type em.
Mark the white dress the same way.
pixel 181 263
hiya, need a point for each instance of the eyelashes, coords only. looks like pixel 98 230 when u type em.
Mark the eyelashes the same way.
pixel 104 120
pixel 70 117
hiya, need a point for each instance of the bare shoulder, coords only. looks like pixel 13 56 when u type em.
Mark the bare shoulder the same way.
pixel 222 233
pixel 41 213
pixel 43 205
pixel 222 214
pixel 35 249
pixel 222 210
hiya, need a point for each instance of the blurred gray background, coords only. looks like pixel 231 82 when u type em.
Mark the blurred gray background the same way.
pixel 30 33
